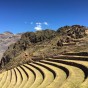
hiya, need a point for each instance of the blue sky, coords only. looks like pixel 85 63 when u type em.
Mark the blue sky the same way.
pixel 31 15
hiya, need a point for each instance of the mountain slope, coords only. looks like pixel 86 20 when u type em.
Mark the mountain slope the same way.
pixel 41 44
pixel 6 39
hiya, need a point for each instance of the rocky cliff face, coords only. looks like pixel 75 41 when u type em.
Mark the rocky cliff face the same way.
pixel 6 39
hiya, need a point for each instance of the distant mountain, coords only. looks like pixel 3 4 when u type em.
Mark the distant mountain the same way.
pixel 6 39
pixel 8 33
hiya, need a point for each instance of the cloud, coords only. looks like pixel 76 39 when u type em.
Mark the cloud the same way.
pixel 45 23
pixel 38 27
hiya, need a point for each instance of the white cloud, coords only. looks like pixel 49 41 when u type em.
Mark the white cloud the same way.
pixel 45 23
pixel 38 27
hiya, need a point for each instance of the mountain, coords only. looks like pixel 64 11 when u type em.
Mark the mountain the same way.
pixel 8 33
pixel 6 39
pixel 47 59
pixel 38 45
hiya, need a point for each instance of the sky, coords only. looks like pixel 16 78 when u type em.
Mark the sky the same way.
pixel 19 16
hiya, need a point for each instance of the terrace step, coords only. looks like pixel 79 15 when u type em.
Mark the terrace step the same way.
pixel 60 74
pixel 13 79
pixel 8 79
pixel 24 76
pixel 3 79
pixel 31 76
pixel 76 75
pixel 38 76
pixel 48 73
pixel 19 77
pixel 85 83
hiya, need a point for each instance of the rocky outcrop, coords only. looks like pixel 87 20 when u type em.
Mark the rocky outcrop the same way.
pixel 71 34
pixel 75 31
